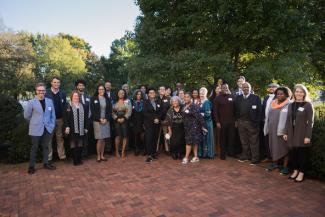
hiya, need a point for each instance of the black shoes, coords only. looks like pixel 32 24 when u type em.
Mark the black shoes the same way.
pixel 149 160
pixel 31 170
pixel 49 166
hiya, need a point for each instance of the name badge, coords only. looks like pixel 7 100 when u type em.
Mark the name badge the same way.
pixel 202 114
pixel 285 110
pixel 301 109
pixel 95 101
pixel 229 99
pixel 158 105
pixel 62 100
pixel 187 111
pixel 133 107
pixel 49 108
pixel 165 100
pixel 201 105
pixel 87 99
pixel 254 106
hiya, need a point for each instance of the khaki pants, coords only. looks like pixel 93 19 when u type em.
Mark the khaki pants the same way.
pixel 59 140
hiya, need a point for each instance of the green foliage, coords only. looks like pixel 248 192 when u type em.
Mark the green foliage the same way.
pixel 10 109
pixel 16 64
pixel 20 145
pixel 317 157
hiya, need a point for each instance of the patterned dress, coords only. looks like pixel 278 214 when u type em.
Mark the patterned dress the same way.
pixel 206 147
pixel 176 122
pixel 193 123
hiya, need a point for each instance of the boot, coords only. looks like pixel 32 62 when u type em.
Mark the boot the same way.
pixel 79 156
pixel 74 156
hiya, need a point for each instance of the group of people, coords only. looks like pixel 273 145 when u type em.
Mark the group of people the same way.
pixel 277 127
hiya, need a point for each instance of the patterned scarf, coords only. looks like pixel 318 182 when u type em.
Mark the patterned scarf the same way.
pixel 78 115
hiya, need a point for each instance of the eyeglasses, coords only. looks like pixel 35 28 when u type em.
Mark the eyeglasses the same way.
pixel 40 90
pixel 101 89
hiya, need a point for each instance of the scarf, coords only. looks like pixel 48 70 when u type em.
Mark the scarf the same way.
pixel 78 119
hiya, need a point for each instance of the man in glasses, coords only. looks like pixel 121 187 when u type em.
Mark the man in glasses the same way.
pixel 41 116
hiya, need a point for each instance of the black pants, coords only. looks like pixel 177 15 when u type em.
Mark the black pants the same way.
pixel 151 138
pixel 299 158
pixel 138 143
pixel 249 137
pixel 228 134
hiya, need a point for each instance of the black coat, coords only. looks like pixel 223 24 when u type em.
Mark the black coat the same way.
pixel 255 107
pixel 165 104
pixel 95 109
pixel 68 120
pixel 149 113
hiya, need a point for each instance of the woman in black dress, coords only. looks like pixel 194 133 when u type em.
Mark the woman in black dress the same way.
pixel 194 126
pixel 175 133
pixel 137 121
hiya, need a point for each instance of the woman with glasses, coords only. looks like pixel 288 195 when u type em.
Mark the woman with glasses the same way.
pixel 100 108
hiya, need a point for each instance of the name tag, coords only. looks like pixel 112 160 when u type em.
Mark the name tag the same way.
pixel 187 111
pixel 132 106
pixel 87 99
pixel 165 100
pixel 158 105
pixel 285 110
pixel 301 109
pixel 62 100
pixel 201 105
pixel 49 108
pixel 95 101
pixel 202 114
pixel 126 101
pixel 229 99
pixel 254 106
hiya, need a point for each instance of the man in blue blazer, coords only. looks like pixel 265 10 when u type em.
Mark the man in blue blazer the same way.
pixel 41 116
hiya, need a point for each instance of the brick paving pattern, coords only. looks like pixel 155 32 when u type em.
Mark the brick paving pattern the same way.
pixel 163 188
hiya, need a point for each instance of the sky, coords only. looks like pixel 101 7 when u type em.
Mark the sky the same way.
pixel 99 22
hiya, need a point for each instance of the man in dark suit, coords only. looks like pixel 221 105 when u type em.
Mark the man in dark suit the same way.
pixel 152 117
pixel 165 104
pixel 84 98
pixel 110 95
pixel 264 143
pixel 248 116
pixel 58 97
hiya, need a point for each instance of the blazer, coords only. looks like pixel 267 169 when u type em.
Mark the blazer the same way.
pixel 86 104
pixel 149 113
pixel 39 119
pixel 62 95
pixel 165 104
pixel 95 109
pixel 303 127
pixel 68 120
pixel 255 107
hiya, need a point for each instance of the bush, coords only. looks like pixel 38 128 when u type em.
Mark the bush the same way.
pixel 20 145
pixel 10 109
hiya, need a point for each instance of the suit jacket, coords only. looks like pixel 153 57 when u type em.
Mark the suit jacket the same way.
pixel 165 104
pixel 62 94
pixel 303 127
pixel 95 109
pixel 86 104
pixel 255 107
pixel 149 113
pixel 39 119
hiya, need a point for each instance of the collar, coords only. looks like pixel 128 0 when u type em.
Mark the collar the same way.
pixel 246 96
pixel 55 91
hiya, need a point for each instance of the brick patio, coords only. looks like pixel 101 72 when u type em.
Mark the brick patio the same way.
pixel 164 188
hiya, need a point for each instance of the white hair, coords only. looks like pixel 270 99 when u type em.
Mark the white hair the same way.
pixel 177 98
pixel 204 91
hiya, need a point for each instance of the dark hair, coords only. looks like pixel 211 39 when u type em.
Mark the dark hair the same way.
pixel 241 77
pixel 136 93
pixel 285 90
pixel 151 88
pixel 142 85
pixel 188 93
pixel 56 77
pixel 40 84
pixel 125 96
pixel 96 91
pixel 213 93
pixel 217 79
pixel 80 81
